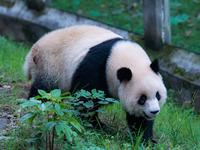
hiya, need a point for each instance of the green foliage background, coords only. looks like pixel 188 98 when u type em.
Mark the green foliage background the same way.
pixel 127 14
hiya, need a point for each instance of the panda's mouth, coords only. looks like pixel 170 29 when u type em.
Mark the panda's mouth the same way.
pixel 149 117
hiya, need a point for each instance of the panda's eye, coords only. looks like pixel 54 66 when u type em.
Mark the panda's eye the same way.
pixel 158 95
pixel 142 99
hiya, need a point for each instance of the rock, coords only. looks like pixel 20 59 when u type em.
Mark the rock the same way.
pixel 4 115
pixel 3 123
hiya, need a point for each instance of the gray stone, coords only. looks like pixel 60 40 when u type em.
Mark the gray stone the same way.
pixel 24 22
pixel 3 123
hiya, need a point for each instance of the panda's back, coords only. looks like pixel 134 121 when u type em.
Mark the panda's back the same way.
pixel 61 51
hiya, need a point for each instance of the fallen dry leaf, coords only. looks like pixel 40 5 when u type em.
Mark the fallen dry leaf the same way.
pixel 29 84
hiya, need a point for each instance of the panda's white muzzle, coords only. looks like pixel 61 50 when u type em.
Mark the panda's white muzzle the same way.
pixel 152 109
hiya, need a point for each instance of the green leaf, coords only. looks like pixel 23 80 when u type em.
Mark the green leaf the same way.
pixel 58 110
pixel 50 125
pixel 42 92
pixel 42 107
pixel 63 105
pixel 111 100
pixel 25 117
pixel 58 130
pixel 98 95
pixel 39 123
pixel 65 94
pixel 47 104
pixel 56 93
pixel 31 119
pixel 83 93
pixel 103 102
pixel 36 101
pixel 77 126
pixel 89 104
pixel 29 104
pixel 66 129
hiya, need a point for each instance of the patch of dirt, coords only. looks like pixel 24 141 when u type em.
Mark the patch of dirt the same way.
pixel 9 93
pixel 9 89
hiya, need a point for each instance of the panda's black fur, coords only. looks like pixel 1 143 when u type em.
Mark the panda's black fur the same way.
pixel 42 82
pixel 91 74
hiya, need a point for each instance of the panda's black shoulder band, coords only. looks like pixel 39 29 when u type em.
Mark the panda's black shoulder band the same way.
pixel 90 74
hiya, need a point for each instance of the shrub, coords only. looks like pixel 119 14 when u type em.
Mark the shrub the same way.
pixel 54 117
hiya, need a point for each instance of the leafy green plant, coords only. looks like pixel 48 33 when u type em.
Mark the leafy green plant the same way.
pixel 54 116
pixel 51 119
pixel 85 103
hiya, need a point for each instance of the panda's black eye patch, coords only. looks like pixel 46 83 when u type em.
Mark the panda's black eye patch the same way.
pixel 158 95
pixel 142 99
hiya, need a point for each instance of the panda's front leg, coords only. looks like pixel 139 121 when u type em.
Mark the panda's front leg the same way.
pixel 140 124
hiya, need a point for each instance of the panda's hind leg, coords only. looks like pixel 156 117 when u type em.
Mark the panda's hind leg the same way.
pixel 43 83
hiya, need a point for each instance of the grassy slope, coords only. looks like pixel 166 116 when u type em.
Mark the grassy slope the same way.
pixel 12 57
pixel 175 127
pixel 127 14
pixel 11 60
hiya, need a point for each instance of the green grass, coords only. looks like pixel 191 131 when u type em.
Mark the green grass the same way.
pixel 175 127
pixel 12 57
pixel 127 14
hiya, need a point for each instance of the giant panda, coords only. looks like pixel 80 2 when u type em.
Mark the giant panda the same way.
pixel 89 57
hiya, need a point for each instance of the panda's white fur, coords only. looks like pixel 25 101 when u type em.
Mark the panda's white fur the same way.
pixel 59 54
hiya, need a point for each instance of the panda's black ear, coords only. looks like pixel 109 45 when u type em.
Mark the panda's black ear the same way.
pixel 155 66
pixel 124 74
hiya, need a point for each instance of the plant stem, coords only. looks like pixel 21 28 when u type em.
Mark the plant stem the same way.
pixel 50 141
pixel 54 118
pixel 46 142
pixel 48 133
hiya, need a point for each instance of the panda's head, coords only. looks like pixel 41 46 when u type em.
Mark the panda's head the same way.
pixel 142 94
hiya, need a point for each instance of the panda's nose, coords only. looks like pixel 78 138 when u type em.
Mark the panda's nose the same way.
pixel 155 112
